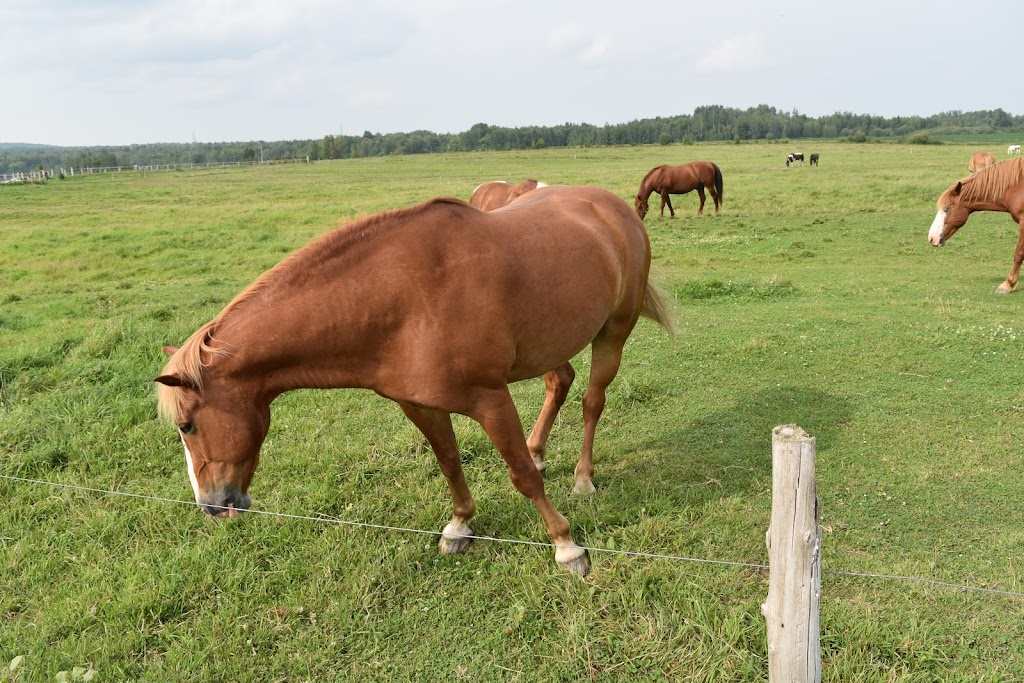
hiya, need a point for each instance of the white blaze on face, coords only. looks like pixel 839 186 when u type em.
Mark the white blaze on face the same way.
pixel 191 470
pixel 935 233
pixel 540 184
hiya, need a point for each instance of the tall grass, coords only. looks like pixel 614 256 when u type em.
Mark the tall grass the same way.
pixel 813 299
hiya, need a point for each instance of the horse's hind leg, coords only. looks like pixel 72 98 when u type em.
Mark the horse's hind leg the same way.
pixel 714 198
pixel 1010 283
pixel 437 427
pixel 606 353
pixel 700 193
pixel 556 385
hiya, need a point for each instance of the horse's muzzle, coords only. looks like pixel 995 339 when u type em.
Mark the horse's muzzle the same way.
pixel 230 504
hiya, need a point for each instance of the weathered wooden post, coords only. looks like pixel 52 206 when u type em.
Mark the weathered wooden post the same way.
pixel 794 561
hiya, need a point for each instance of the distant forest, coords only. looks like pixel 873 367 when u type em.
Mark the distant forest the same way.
pixel 709 123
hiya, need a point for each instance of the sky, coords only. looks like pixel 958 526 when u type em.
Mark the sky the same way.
pixel 121 72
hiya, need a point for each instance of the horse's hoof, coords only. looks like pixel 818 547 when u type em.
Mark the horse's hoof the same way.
pixel 454 540
pixel 584 487
pixel 579 562
pixel 1004 289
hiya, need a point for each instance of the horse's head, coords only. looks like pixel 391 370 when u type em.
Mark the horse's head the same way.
pixel 950 217
pixel 640 204
pixel 222 427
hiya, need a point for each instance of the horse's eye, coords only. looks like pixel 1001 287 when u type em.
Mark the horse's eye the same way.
pixel 188 427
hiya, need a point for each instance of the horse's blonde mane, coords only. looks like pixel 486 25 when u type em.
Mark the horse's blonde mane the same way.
pixel 988 183
pixel 187 363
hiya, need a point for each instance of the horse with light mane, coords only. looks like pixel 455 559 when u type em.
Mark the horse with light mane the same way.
pixel 439 308
pixel 980 160
pixel 996 188
pixel 1013 149
pixel 498 193
pixel 666 180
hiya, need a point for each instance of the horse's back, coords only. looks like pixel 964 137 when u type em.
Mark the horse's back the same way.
pixel 498 193
pixel 527 286
pixel 491 195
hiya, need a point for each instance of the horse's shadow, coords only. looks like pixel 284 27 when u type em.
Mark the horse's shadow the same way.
pixel 729 452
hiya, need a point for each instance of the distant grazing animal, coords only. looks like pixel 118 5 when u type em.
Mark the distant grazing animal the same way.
pixel 438 307
pixel 666 180
pixel 1013 149
pixel 980 160
pixel 814 159
pixel 795 157
pixel 498 193
pixel 996 188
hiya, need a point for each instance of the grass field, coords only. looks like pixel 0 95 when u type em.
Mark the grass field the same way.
pixel 813 299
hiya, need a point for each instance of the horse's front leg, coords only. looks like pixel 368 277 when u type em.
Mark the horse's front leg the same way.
pixel 665 199
pixel 497 414
pixel 1018 256
pixel 437 427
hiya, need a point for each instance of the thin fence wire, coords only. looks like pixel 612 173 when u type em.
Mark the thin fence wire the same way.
pixel 610 551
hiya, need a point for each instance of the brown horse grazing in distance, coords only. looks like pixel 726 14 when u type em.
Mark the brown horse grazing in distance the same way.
pixel 438 307
pixel 498 193
pixel 666 180
pixel 996 188
pixel 980 160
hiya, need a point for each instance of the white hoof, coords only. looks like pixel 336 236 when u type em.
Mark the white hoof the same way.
pixel 453 539
pixel 583 487
pixel 573 558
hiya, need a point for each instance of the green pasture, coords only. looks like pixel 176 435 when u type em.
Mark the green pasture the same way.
pixel 814 299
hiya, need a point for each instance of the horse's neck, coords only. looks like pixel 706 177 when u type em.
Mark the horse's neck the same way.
pixel 294 342
pixel 648 184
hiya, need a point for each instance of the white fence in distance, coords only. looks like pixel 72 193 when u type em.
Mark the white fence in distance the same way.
pixel 46 174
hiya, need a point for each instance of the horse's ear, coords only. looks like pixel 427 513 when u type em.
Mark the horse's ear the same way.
pixel 175 381
pixel 170 350
pixel 956 190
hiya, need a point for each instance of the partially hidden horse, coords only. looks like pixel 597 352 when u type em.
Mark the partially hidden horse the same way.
pixel 996 188
pixel 498 193
pixel 667 180
pixel 814 159
pixel 1013 149
pixel 980 160
pixel 438 307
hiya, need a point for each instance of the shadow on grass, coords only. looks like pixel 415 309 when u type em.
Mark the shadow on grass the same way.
pixel 728 452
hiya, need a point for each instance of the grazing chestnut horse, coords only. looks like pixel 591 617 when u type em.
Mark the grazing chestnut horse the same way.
pixel 814 159
pixel 437 307
pixel 980 160
pixel 666 180
pixel 996 188
pixel 498 193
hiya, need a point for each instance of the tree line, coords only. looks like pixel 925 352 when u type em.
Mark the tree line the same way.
pixel 705 124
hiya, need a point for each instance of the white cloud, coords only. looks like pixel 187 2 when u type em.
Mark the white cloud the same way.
pixel 746 52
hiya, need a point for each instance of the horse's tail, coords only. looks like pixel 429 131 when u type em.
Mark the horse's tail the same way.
pixel 656 307
pixel 718 183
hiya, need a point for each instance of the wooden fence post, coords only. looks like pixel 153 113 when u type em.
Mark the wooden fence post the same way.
pixel 794 561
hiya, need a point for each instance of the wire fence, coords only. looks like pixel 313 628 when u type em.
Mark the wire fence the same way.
pixel 42 175
pixel 610 551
